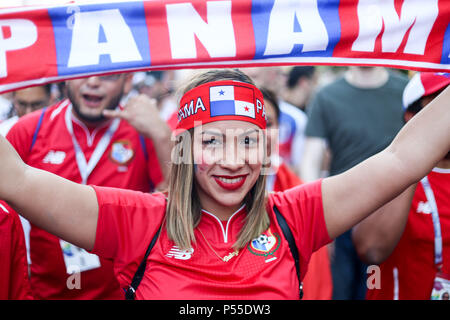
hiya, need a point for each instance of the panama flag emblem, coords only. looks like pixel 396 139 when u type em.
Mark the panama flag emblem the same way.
pixel 121 152
pixel 265 245
pixel 231 101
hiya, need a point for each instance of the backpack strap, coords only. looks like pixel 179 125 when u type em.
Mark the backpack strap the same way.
pixel 144 146
pixel 130 294
pixel 37 128
pixel 292 246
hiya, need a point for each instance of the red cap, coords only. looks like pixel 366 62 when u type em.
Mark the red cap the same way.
pixel 423 84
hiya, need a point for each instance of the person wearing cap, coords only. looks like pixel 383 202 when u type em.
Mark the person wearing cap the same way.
pixel 349 120
pixel 410 239
pixel 220 235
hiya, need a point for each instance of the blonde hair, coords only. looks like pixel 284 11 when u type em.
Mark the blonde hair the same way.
pixel 183 208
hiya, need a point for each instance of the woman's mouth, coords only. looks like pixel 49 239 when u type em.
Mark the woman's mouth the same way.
pixel 229 182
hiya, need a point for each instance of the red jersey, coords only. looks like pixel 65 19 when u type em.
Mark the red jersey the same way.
pixel 264 269
pixel 317 284
pixel 13 267
pixel 125 163
pixel 410 270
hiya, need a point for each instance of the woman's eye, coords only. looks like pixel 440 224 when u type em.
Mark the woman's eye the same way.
pixel 249 141
pixel 211 141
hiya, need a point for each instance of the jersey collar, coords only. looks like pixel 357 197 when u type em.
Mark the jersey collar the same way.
pixel 222 231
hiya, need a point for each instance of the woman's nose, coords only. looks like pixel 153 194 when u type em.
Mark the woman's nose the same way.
pixel 233 156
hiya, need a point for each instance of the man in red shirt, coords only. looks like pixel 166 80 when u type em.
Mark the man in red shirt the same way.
pixel 75 140
pixel 413 249
pixel 14 283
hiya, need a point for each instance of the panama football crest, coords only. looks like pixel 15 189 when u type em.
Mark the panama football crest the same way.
pixel 121 152
pixel 265 245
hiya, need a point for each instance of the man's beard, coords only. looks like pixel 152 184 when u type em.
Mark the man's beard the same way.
pixel 93 119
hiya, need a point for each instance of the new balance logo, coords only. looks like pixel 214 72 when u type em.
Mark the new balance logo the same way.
pixel 176 253
pixel 424 207
pixel 54 157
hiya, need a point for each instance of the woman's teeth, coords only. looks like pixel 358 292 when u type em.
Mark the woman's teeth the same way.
pixel 235 180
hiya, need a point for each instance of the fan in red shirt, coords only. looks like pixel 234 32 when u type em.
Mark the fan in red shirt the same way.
pixel 221 236
pixel 74 140
pixel 411 239
pixel 317 284
pixel 14 283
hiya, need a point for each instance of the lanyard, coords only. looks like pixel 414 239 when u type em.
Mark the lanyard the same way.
pixel 436 223
pixel 84 167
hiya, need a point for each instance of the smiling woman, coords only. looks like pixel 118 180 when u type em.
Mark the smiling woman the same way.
pixel 217 234
pixel 226 155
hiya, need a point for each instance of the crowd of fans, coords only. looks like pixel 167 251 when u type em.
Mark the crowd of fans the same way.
pixel 327 121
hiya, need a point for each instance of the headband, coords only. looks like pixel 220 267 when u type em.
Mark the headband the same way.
pixel 221 100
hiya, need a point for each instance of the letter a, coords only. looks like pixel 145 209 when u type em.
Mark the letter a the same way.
pixel 374 280
pixel 281 37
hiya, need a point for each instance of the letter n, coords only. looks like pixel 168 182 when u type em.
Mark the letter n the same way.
pixel 216 35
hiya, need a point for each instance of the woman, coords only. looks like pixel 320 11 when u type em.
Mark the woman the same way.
pixel 219 238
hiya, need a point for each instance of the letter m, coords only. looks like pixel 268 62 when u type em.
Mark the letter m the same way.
pixel 417 16
pixel 189 111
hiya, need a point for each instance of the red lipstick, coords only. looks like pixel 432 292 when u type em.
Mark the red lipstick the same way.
pixel 230 182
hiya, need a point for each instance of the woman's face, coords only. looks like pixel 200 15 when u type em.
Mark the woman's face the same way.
pixel 228 156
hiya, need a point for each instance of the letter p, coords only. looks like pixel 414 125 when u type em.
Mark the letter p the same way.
pixel 22 34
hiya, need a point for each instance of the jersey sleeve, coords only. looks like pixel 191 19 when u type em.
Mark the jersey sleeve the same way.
pixel 127 221
pixel 302 208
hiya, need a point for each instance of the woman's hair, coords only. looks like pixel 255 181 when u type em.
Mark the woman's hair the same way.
pixel 271 97
pixel 183 207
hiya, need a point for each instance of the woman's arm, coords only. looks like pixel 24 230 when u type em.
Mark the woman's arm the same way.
pixel 59 206
pixel 423 141
pixel 377 235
